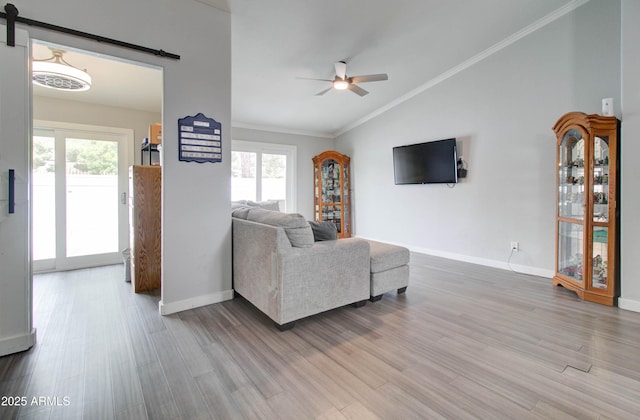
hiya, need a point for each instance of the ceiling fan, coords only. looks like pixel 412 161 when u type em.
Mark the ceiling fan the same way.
pixel 342 81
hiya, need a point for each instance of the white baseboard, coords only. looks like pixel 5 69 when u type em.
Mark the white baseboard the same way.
pixel 524 269
pixel 195 302
pixel 629 304
pixel 17 343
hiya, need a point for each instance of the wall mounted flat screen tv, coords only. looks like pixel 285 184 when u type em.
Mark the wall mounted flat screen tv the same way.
pixel 434 162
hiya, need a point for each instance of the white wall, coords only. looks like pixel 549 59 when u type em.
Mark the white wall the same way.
pixel 50 109
pixel 630 197
pixel 306 148
pixel 501 110
pixel 196 235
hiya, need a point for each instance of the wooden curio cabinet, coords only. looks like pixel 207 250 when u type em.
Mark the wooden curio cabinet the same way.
pixel 587 214
pixel 145 240
pixel 332 190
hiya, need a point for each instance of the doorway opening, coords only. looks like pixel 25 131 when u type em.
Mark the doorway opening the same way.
pixel 83 144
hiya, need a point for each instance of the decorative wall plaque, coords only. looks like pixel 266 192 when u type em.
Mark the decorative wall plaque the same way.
pixel 199 139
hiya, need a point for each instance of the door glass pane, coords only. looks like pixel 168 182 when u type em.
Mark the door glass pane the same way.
pixel 44 198
pixel 92 196
pixel 331 196
pixel 601 179
pixel 274 179
pixel 347 216
pixel 570 248
pixel 571 191
pixel 316 193
pixel 332 214
pixel 331 182
pixel 243 176
pixel 600 259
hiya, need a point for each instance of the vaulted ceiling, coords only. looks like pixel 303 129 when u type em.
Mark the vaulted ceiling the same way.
pixel 415 42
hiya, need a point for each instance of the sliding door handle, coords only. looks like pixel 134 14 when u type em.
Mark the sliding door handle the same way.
pixel 12 191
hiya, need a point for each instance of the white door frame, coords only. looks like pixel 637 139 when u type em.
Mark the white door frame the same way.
pixel 124 137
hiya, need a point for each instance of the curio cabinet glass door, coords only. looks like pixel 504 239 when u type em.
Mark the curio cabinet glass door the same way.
pixel 332 198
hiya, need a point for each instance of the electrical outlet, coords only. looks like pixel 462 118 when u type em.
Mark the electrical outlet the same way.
pixel 515 246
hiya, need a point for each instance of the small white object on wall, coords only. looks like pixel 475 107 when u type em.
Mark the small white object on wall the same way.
pixel 607 107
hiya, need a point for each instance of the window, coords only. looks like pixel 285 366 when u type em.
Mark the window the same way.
pixel 263 171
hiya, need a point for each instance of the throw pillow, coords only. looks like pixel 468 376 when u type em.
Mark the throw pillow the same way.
pixel 238 204
pixel 295 225
pixel 241 213
pixel 267 205
pixel 324 231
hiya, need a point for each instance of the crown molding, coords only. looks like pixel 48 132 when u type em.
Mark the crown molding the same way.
pixel 218 4
pixel 282 130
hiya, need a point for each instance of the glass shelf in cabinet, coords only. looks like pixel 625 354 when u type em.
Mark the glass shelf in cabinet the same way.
pixel 571 235
pixel 572 216
pixel 572 168
pixel 568 201
pixel 574 189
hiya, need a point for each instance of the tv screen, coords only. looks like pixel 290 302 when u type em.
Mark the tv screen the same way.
pixel 426 163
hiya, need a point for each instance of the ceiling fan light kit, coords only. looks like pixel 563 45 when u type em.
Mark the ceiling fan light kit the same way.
pixel 343 82
pixel 340 84
pixel 56 73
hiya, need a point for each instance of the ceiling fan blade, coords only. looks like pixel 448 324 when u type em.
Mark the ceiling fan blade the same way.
pixel 369 78
pixel 311 78
pixel 341 69
pixel 357 89
pixel 324 91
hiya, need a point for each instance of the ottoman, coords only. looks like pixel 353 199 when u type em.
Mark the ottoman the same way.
pixel 389 269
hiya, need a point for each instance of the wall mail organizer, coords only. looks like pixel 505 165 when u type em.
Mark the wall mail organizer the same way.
pixel 199 139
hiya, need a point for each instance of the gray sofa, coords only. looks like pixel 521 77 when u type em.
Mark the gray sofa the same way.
pixel 281 270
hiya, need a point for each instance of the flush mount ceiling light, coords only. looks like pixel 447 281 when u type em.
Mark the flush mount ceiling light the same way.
pixel 55 73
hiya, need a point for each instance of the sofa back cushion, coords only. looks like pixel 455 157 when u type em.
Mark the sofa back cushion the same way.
pixel 267 204
pixel 295 225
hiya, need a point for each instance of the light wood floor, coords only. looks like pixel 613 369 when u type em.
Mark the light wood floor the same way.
pixel 465 341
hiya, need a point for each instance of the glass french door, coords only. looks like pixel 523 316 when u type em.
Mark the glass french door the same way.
pixel 79 198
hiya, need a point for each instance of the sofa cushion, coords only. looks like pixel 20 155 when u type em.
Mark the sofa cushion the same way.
pixel 295 225
pixel 241 213
pixel 324 231
pixel 387 256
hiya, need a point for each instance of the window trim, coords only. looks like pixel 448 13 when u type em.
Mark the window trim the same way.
pixel 290 151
